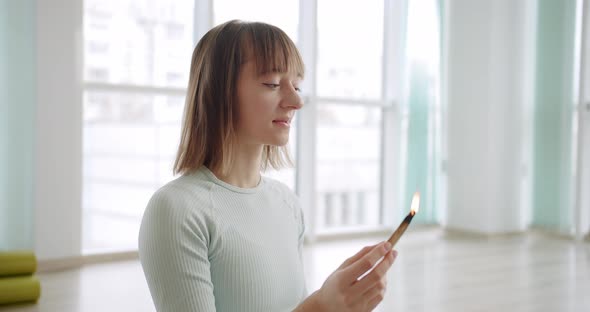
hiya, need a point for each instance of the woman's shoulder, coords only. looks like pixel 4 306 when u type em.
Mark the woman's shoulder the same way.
pixel 187 184
pixel 282 190
pixel 279 187
pixel 187 193
pixel 289 197
pixel 179 207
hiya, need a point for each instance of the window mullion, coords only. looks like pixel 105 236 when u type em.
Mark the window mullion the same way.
pixel 203 19
pixel 305 181
pixel 393 39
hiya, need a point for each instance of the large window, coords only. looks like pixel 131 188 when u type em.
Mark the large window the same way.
pixel 283 14
pixel 349 84
pixel 136 62
pixel 350 49
pixel 348 162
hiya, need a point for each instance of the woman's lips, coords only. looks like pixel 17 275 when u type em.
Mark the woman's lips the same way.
pixel 283 123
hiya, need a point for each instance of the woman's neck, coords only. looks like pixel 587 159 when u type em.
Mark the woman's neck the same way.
pixel 245 170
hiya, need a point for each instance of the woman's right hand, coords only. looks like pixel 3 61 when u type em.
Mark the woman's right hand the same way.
pixel 344 291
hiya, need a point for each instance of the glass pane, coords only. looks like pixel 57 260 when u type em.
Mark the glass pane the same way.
pixel 283 14
pixel 422 123
pixel 350 48
pixel 138 42
pixel 348 167
pixel 129 144
pixel 105 232
pixel 552 165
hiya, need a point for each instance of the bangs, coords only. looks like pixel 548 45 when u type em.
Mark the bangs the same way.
pixel 273 51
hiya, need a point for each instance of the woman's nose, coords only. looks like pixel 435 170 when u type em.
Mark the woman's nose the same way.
pixel 293 100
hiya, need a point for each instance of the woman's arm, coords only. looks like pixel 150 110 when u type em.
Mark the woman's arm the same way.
pixel 174 256
pixel 310 304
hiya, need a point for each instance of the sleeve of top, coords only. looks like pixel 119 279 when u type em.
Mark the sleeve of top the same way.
pixel 173 251
pixel 301 237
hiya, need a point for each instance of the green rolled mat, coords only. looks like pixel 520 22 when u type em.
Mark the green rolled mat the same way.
pixel 18 289
pixel 17 263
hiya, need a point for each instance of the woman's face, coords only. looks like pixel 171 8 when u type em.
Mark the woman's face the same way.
pixel 266 105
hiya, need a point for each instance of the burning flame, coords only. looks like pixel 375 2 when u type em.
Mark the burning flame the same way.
pixel 415 203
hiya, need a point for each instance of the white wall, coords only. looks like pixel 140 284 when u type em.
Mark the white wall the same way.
pixel 485 99
pixel 58 147
pixel 583 156
pixel 17 110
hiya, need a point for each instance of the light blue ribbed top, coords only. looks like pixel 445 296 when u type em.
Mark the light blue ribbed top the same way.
pixel 206 245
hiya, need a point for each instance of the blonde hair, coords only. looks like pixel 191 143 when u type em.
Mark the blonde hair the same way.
pixel 210 115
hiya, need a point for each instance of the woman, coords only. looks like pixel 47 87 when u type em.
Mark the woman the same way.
pixel 221 237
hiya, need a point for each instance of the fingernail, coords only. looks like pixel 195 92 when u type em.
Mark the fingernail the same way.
pixel 387 246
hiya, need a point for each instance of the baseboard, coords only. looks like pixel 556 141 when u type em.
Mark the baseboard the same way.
pixel 53 265
pixel 452 233
pixel 378 233
pixel 553 233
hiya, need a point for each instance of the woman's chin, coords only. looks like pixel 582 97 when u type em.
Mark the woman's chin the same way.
pixel 282 141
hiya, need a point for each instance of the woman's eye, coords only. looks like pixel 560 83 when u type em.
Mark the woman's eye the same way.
pixel 297 89
pixel 272 85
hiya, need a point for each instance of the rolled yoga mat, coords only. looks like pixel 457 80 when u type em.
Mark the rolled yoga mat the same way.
pixel 17 289
pixel 17 263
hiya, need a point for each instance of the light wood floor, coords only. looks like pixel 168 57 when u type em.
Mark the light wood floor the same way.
pixel 435 271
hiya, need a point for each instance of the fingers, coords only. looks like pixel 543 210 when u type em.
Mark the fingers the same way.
pixel 376 276
pixel 366 262
pixel 356 257
pixel 377 292
pixel 375 300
